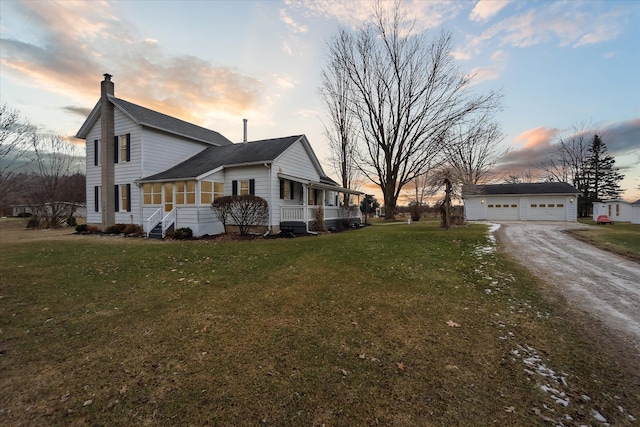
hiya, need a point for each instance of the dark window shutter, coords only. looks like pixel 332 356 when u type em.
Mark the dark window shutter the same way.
pixel 291 188
pixel 96 153
pixel 234 188
pixel 115 150
pixel 252 186
pixel 117 197
pixel 128 197
pixel 282 188
pixel 96 198
pixel 128 159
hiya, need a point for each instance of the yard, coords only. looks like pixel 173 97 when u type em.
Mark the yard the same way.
pixel 388 325
pixel 622 238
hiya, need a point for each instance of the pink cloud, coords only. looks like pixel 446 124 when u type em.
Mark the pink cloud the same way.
pixel 537 138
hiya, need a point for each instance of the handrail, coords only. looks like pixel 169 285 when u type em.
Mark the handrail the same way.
pixel 167 221
pixel 154 220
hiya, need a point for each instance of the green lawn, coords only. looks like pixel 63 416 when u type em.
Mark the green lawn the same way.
pixel 397 325
pixel 621 237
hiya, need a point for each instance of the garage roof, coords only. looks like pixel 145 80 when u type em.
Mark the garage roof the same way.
pixel 520 189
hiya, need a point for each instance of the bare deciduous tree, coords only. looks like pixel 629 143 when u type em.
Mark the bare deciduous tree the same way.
pixel 471 148
pixel 53 162
pixel 14 141
pixel 244 211
pixel 405 94
pixel 341 130
pixel 568 160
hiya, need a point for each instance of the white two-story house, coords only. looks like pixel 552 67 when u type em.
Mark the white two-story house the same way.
pixel 150 169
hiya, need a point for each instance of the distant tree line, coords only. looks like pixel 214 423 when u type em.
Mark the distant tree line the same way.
pixel 42 172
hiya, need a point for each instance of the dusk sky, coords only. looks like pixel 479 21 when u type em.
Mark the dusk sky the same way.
pixel 213 63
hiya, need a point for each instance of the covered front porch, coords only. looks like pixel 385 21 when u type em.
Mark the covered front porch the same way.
pixel 317 206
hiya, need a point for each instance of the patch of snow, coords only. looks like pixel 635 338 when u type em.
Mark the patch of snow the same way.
pixel 598 416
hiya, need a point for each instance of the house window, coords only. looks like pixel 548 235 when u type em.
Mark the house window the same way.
pixel 122 148
pixel 617 210
pixel 210 191
pixel 286 189
pixel 97 194
pixel 152 193
pixel 125 197
pixel 243 187
pixel 609 210
pixel 96 153
pixel 186 192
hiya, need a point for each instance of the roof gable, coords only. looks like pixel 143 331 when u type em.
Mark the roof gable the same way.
pixel 153 119
pixel 255 152
pixel 520 189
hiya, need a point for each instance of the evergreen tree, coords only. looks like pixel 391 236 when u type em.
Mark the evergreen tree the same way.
pixel 602 177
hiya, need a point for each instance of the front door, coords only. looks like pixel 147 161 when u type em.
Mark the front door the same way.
pixel 168 196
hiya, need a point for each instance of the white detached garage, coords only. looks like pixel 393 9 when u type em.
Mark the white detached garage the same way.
pixel 541 201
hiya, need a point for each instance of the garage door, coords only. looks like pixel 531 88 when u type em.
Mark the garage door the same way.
pixel 503 209
pixel 547 209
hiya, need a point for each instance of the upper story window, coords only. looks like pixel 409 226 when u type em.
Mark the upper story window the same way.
pixel 96 153
pixel 122 148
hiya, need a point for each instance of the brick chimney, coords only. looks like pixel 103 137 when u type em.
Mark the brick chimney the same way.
pixel 107 128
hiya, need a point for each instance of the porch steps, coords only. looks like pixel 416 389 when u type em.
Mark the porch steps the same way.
pixel 156 233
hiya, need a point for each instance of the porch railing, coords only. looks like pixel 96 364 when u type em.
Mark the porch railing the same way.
pixel 168 220
pixel 307 213
pixel 154 220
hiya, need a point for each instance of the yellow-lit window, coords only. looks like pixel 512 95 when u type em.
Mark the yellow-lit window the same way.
pixel 244 188
pixel 185 193
pixel 218 190
pixel 125 197
pixel 206 192
pixel 152 193
pixel 124 148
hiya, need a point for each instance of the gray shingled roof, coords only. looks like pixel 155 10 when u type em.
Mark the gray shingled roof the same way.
pixel 525 188
pixel 154 119
pixel 265 150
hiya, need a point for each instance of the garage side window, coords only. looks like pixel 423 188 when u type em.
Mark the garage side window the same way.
pixel 560 205
pixel 534 205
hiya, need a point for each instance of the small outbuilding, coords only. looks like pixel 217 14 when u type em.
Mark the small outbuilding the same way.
pixel 616 210
pixel 541 201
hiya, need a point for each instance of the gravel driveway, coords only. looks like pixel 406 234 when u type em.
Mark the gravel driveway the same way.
pixel 603 284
